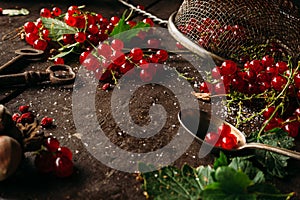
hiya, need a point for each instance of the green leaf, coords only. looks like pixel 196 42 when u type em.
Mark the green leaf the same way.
pixel 121 27
pixel 274 164
pixel 221 161
pixel 244 165
pixel 267 192
pixel 232 181
pixel 218 193
pixel 15 12
pixel 62 54
pixel 57 28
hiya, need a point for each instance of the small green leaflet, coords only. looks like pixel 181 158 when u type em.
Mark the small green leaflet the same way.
pixel 57 28
pixel 221 161
pixel 15 12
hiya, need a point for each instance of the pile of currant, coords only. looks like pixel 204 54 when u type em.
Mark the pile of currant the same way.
pixel 275 83
pixel 51 157
pixel 212 35
pixel 222 138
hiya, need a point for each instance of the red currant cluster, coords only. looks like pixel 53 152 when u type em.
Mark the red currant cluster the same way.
pixel 28 117
pixel 110 62
pixel 211 32
pixel 223 138
pixel 92 29
pixel 260 79
pixel 54 158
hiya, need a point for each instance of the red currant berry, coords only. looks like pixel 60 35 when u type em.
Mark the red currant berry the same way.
pixel 1 11
pixel 114 20
pixel 47 122
pixel 219 88
pixel 205 87
pixel 93 29
pixel 136 54
pixel 70 20
pixel 102 35
pixel 141 7
pixel 297 80
pixel 148 21
pixel 297 112
pixel 52 144
pixel 40 44
pixel 267 61
pixel 255 66
pixel 153 43
pixel 215 72
pixel 224 130
pixel 131 23
pixel 281 67
pixel 83 56
pixel 73 9
pixel 68 38
pixel 292 128
pixel 45 12
pixel 153 58
pixel 64 152
pixel 24 109
pixel 229 142
pixel 80 22
pixel 63 167
pixel 268 112
pixel 30 27
pixel 105 87
pixel 146 75
pixel 80 37
pixel 228 67
pixel 278 82
pixel 45 33
pixel 126 67
pixel 44 161
pixel 26 118
pixel 118 58
pixel 213 139
pixel 162 55
pixel 117 44
pixel 15 117
pixel 56 11
pixel 59 61
pixel 274 123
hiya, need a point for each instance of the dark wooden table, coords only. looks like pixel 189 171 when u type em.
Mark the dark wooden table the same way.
pixel 92 179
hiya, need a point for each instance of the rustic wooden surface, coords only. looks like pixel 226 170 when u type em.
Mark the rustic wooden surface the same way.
pixel 92 179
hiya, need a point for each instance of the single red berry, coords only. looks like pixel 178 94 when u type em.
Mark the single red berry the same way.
pixel 83 56
pixel 148 21
pixel 141 7
pixel 153 58
pixel 15 117
pixel 278 82
pixel 219 88
pixel 213 139
pixel 215 72
pixel 255 66
pixel 40 44
pixel 153 43
pixel 93 29
pixel 274 123
pixel 131 23
pixel 267 61
pixel 268 112
pixel 70 20
pixel 45 12
pixel 146 75
pixel 80 21
pixel 297 80
pixel 162 55
pixel 126 67
pixel 117 44
pixel 44 161
pixel 68 38
pixel 136 54
pixel 228 67
pixel 56 11
pixel 27 117
pixel 30 27
pixel 52 144
pixel 105 87
pixel 114 20
pixel 63 167
pixel 24 108
pixel 1 11
pixel 229 141
pixel 45 33
pixel 281 67
pixel 224 130
pixel 118 58
pixel 297 112
pixel 64 152
pixel 80 37
pixel 292 128
pixel 102 34
pixel 73 9
pixel 46 122
pixel 59 61
pixel 205 87
pixel 39 23
pixel 31 37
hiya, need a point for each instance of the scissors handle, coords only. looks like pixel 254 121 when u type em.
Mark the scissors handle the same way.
pixel 56 74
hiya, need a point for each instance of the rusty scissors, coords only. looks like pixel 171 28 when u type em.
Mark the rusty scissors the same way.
pixel 55 74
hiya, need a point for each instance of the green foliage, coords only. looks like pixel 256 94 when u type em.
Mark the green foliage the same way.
pixel 57 28
pixel 238 180
pixel 275 164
